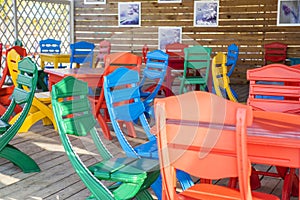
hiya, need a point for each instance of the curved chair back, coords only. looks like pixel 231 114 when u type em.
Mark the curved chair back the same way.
pixel 155 71
pixel 50 46
pixel 82 52
pixel 220 79
pixel 275 52
pixel 232 58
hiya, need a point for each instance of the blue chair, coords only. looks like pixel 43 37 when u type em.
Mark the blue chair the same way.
pixel 50 46
pixel 82 52
pixel 155 72
pixel 232 57
pixel 123 100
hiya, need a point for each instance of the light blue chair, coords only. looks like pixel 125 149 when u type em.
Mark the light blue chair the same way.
pixel 232 57
pixel 82 52
pixel 154 72
pixel 123 100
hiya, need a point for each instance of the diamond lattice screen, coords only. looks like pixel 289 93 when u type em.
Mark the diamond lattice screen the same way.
pixel 35 21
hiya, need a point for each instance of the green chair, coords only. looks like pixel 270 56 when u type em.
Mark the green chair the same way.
pixel 196 69
pixel 27 77
pixel 130 177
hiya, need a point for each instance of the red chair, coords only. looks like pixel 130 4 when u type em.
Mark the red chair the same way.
pixel 276 88
pixel 113 61
pixel 275 52
pixel 192 138
pixel 176 62
pixel 144 52
pixel 104 49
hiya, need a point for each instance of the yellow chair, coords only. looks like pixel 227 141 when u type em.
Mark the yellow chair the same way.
pixel 221 81
pixel 41 108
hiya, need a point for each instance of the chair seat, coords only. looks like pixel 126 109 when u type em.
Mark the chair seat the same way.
pixel 132 170
pixel 148 149
pixel 216 192
pixel 3 126
pixel 43 97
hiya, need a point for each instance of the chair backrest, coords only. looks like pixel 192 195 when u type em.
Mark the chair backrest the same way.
pixel 82 52
pixel 104 49
pixel 12 60
pixel 220 77
pixel 274 87
pixel 124 59
pixel 123 100
pixel 196 58
pixel 27 78
pixel 144 53
pixel 155 71
pixel 275 52
pixel 200 139
pixel 232 58
pixel 50 46
pixel 176 52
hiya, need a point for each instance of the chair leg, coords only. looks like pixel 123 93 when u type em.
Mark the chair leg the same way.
pixel 290 185
pixel 23 161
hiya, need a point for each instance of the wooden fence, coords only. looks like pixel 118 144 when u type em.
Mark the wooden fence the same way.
pixel 248 23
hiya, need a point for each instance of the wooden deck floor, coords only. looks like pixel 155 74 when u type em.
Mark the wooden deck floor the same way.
pixel 57 179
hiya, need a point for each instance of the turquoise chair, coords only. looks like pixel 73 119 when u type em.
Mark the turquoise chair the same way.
pixel 123 100
pixel 196 68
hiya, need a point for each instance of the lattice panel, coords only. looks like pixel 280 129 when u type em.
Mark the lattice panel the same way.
pixel 36 20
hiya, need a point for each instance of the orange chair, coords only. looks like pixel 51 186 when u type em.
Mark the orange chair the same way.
pixel 276 88
pixel 275 52
pixel 113 61
pixel 104 49
pixel 200 140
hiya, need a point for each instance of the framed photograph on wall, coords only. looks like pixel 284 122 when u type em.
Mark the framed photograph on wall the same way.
pixel 94 1
pixel 168 35
pixel 169 1
pixel 129 14
pixel 288 13
pixel 206 13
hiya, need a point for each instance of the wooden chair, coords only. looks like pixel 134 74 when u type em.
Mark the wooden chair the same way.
pixel 104 49
pixel 266 85
pixel 112 62
pixel 196 69
pixel 122 94
pixel 275 52
pixel 232 58
pixel 130 177
pixel 176 63
pixel 27 77
pixel 144 53
pixel 221 80
pixel 82 52
pixel 153 78
pixel 6 92
pixel 41 108
pixel 200 140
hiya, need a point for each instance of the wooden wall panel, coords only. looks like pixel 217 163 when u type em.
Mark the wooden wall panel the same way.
pixel 248 23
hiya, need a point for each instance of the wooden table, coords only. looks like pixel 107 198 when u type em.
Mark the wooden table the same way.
pixel 90 75
pixel 54 58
